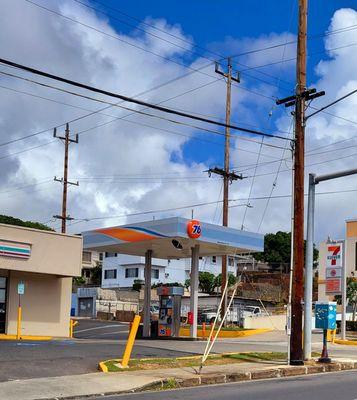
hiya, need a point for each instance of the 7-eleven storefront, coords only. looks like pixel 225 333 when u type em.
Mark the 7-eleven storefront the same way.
pixel 36 270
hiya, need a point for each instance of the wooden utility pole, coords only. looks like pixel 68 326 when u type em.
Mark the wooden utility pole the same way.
pixel 67 140
pixel 302 94
pixel 228 176
pixel 296 350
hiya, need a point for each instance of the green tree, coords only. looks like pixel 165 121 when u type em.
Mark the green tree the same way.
pixel 97 274
pixel 206 282
pixel 352 296
pixel 218 280
pixel 6 219
pixel 137 285
pixel 79 281
pixel 277 248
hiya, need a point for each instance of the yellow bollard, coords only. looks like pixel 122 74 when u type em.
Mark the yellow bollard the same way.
pixel 19 317
pixel 130 342
pixel 72 324
pixel 204 330
pixel 331 335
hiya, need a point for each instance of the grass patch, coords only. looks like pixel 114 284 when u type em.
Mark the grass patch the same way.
pixel 181 362
pixel 258 356
pixel 169 384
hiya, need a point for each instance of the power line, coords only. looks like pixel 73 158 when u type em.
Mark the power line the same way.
pixel 294 58
pixel 125 98
pixel 172 43
pixel 78 107
pixel 135 46
pixel 216 54
pixel 332 103
pixel 120 118
pixel 205 204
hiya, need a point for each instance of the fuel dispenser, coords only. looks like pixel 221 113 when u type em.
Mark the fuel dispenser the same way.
pixel 170 310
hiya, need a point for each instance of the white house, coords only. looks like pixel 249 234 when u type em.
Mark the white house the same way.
pixel 120 270
pixel 90 260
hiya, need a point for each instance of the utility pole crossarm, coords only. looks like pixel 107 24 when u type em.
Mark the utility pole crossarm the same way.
pixel 231 176
pixel 225 74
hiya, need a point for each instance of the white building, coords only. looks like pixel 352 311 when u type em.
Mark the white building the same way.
pixel 90 260
pixel 121 270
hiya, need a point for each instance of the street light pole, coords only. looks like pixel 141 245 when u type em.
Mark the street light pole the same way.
pixel 313 181
pixel 309 267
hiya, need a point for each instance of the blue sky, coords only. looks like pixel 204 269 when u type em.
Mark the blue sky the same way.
pixel 210 27
pixel 141 163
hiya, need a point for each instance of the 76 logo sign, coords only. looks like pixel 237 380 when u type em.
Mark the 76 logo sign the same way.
pixel 194 229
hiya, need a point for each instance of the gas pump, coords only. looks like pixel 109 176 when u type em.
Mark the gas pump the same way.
pixel 170 310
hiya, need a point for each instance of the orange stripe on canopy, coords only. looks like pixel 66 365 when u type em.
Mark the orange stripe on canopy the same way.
pixel 127 235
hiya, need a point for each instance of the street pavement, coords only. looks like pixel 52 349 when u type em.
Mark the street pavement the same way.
pixel 101 340
pixel 101 330
pixel 332 386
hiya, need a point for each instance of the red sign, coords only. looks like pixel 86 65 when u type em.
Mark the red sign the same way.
pixel 334 256
pixel 333 285
pixel 190 317
pixel 194 229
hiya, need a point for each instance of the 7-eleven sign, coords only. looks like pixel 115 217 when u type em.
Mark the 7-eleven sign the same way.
pixel 334 255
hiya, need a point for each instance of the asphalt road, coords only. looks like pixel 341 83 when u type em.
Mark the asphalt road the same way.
pixel 332 386
pixel 100 340
pixel 94 341
pixel 101 330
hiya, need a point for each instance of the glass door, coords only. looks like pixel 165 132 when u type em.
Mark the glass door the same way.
pixel 2 304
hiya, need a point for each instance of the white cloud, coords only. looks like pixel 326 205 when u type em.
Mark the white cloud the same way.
pixel 146 164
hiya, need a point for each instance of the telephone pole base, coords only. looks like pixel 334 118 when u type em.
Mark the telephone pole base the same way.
pixel 296 362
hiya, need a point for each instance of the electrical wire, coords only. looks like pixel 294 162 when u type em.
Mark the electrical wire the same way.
pixel 182 39
pixel 294 58
pixel 115 118
pixel 123 97
pixel 205 204
pixel 136 46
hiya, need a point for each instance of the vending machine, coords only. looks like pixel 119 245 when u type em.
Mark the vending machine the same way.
pixel 170 310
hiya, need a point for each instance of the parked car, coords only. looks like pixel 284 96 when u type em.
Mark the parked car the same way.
pixel 234 315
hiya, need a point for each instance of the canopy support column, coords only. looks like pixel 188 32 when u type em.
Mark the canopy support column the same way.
pixel 147 294
pixel 194 289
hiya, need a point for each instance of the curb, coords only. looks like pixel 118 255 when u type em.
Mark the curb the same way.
pixel 221 378
pixel 345 342
pixel 102 367
pixel 226 334
pixel 258 374
pixel 26 337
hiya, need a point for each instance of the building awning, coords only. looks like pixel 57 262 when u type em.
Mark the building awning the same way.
pixel 172 238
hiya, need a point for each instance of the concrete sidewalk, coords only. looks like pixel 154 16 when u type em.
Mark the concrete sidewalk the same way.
pixel 122 382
